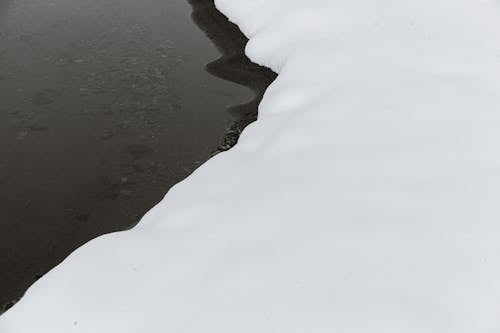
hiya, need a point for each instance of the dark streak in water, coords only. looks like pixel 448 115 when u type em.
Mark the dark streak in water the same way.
pixel 233 65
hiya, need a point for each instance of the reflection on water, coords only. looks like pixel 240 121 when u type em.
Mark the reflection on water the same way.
pixel 233 66
pixel 104 106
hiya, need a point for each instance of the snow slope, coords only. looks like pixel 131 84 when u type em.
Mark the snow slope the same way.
pixel 364 199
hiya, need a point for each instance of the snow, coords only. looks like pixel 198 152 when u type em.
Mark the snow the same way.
pixel 364 199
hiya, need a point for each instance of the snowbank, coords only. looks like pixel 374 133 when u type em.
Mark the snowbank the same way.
pixel 365 199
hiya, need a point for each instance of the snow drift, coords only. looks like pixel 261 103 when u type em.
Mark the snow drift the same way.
pixel 364 199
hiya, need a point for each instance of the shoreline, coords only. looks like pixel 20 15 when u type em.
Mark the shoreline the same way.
pixel 233 65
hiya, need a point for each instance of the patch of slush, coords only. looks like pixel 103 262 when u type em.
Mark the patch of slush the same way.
pixel 364 199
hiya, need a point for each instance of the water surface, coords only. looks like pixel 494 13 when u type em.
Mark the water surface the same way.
pixel 104 105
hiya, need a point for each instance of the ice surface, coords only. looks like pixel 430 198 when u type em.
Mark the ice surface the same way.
pixel 364 199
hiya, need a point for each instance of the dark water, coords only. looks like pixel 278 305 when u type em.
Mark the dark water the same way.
pixel 104 105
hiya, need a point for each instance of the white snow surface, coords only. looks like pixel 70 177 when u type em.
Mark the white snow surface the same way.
pixel 364 199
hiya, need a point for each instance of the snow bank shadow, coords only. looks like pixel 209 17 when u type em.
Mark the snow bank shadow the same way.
pixel 232 66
